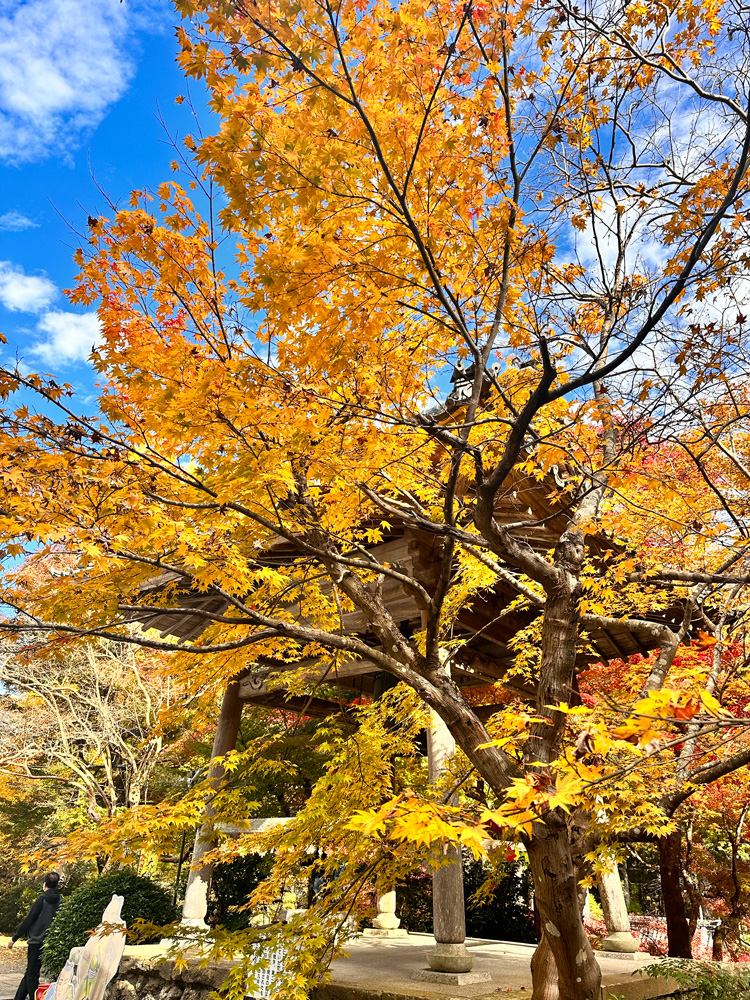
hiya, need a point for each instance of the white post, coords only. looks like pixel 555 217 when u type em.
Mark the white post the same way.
pixel 615 912
pixel 195 905
pixel 386 924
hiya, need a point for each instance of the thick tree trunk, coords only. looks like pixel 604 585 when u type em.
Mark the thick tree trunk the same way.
pixel 556 893
pixel 550 847
pixel 552 863
pixel 544 971
pixel 678 931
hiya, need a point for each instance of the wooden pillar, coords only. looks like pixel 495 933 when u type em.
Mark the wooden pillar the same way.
pixel 385 924
pixel 195 906
pixel 615 912
pixel 449 916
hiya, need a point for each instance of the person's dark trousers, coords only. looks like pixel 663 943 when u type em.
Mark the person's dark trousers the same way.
pixel 29 983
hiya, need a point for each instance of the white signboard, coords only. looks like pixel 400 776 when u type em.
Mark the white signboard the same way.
pixel 265 979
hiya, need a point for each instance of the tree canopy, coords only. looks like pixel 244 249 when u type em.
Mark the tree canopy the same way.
pixel 543 202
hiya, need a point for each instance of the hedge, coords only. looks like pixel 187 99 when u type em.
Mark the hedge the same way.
pixel 81 912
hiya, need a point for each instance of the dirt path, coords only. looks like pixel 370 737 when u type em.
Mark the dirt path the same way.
pixel 12 966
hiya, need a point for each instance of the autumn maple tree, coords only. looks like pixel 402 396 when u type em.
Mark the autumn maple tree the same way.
pixel 544 200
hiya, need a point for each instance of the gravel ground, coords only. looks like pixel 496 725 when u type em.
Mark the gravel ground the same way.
pixel 12 965
pixel 12 961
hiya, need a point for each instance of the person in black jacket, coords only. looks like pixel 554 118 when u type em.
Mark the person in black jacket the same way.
pixel 34 928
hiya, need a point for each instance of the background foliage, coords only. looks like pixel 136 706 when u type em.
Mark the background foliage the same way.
pixel 81 912
pixel 503 912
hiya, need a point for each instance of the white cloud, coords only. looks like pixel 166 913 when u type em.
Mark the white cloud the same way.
pixel 70 337
pixel 20 292
pixel 62 64
pixel 16 222
pixel 63 338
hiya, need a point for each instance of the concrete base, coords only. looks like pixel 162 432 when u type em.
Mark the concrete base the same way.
pixel 187 949
pixel 620 941
pixel 452 978
pixel 449 958
pixel 383 932
pixel 379 969
pixel 193 924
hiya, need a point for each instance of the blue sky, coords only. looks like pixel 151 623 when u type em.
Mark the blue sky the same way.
pixel 82 83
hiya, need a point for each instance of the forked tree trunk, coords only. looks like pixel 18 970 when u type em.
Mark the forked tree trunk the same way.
pixel 544 971
pixel 550 847
pixel 678 930
pixel 556 893
pixel 732 921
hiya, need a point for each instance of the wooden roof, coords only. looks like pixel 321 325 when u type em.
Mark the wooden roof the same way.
pixel 485 623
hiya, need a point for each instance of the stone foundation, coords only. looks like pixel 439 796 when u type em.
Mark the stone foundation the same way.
pixel 142 978
pixel 146 979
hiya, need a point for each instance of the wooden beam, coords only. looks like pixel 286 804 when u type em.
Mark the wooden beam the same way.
pixel 270 680
pixel 317 708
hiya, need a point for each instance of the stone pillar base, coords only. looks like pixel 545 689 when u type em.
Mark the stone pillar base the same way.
pixel 450 958
pixel 194 923
pixel 621 941
pixel 451 978
pixel 385 932
pixel 386 920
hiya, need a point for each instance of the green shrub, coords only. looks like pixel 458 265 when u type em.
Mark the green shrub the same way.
pixel 81 913
pixel 231 884
pixel 703 980
pixel 503 915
